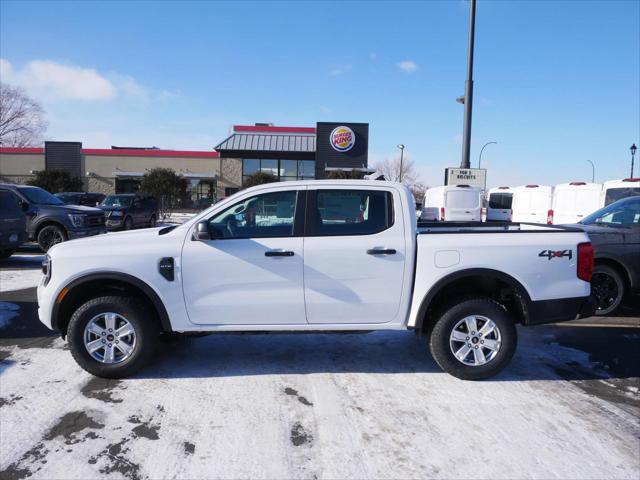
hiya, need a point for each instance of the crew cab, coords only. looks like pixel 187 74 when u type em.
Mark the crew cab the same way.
pixel 319 256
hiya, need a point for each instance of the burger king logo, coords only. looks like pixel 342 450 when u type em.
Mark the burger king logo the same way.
pixel 342 139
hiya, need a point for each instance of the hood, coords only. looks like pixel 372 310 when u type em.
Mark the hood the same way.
pixel 107 208
pixel 109 240
pixel 71 209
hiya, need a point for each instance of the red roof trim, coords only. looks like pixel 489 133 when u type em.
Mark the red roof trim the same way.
pixel 149 153
pixel 21 150
pixel 264 128
pixel 124 152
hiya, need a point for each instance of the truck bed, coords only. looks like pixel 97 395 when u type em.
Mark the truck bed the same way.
pixel 490 227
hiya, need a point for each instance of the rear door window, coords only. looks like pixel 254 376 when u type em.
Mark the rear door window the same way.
pixel 615 194
pixel 349 212
pixel 500 201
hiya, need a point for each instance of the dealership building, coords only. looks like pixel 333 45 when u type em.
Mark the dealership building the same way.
pixel 289 153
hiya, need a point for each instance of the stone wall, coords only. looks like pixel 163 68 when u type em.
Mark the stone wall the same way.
pixel 103 185
pixel 16 179
pixel 231 172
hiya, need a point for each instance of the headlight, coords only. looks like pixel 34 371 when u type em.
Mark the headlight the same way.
pixel 116 213
pixel 46 268
pixel 76 220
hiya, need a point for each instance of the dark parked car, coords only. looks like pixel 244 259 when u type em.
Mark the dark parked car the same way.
pixel 615 233
pixel 13 224
pixel 81 198
pixel 130 210
pixel 49 221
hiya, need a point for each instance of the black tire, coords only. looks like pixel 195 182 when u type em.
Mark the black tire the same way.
pixel 608 287
pixel 152 221
pixel 145 327
pixel 128 223
pixel 440 338
pixel 49 235
pixel 6 253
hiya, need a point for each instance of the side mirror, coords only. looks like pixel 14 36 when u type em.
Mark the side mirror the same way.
pixel 24 206
pixel 201 233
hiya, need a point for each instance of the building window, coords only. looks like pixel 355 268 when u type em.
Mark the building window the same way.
pixel 127 185
pixel 200 193
pixel 284 170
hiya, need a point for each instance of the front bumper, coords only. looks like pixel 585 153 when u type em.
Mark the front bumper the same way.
pixel 86 232
pixel 115 223
pixel 561 310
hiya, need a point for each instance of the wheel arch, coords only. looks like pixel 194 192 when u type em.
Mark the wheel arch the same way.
pixel 48 222
pixel 82 289
pixel 475 281
pixel 617 266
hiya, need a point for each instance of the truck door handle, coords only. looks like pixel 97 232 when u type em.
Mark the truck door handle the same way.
pixel 381 251
pixel 278 253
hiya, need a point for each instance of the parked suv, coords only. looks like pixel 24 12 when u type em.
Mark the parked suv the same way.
pixel 131 210
pixel 81 198
pixel 13 224
pixel 49 221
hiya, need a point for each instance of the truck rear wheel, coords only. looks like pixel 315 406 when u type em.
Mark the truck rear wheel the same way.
pixel 112 336
pixel 474 339
pixel 608 288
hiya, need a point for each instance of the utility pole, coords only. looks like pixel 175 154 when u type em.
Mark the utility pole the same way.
pixel 401 147
pixel 468 90
pixel 593 172
pixel 633 149
pixel 482 150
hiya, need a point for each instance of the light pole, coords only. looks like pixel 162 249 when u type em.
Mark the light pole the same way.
pixel 482 150
pixel 593 172
pixel 468 91
pixel 401 147
pixel 633 149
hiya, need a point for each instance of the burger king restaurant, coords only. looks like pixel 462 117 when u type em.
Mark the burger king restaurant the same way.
pixel 288 153
pixel 298 153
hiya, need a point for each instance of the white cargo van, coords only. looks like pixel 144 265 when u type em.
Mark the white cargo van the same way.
pixel 456 203
pixel 532 203
pixel 617 189
pixel 499 200
pixel 575 200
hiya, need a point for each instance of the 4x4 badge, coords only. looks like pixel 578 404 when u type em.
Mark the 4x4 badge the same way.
pixel 549 254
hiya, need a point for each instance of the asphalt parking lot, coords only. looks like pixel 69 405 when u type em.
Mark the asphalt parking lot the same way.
pixel 317 406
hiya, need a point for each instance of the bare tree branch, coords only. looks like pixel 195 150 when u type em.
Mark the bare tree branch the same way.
pixel 22 121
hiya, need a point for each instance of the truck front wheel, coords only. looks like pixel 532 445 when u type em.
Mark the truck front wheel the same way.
pixel 474 339
pixel 112 336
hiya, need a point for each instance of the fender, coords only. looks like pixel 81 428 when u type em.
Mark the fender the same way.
pixel 123 277
pixel 607 257
pixel 473 272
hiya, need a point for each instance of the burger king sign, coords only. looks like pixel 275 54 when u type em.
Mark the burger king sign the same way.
pixel 342 139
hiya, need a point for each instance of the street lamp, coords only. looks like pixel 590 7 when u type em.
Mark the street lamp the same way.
pixel 593 172
pixel 633 149
pixel 482 150
pixel 401 147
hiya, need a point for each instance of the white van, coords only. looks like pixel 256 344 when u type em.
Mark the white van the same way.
pixel 455 203
pixel 573 201
pixel 499 200
pixel 616 189
pixel 531 203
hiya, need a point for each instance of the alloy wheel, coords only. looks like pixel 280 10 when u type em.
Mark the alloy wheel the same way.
pixel 109 338
pixel 475 340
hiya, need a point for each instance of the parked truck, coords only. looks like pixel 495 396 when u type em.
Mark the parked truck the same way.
pixel 316 256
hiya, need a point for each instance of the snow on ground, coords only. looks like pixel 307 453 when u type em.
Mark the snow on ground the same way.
pixel 177 218
pixel 308 406
pixel 18 279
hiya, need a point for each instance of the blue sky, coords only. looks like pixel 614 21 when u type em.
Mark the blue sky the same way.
pixel 556 82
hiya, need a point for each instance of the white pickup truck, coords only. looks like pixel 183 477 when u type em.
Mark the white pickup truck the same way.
pixel 315 256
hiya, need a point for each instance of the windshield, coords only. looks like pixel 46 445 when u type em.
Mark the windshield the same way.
pixel 622 213
pixel 39 196
pixel 117 201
